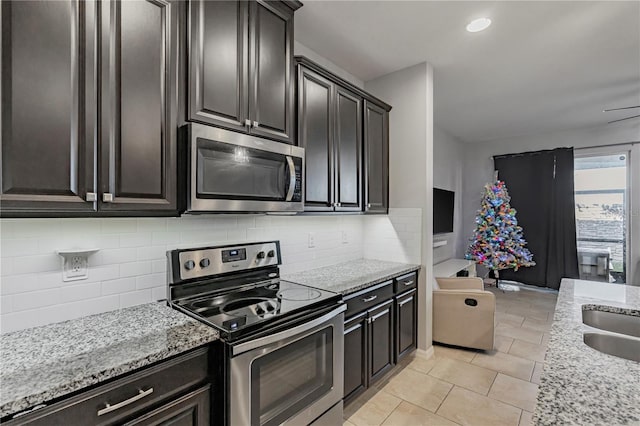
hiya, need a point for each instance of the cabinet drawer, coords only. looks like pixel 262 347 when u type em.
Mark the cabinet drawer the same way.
pixel 126 397
pixel 368 298
pixel 405 282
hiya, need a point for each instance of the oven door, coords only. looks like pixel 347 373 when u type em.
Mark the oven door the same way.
pixel 290 377
pixel 236 172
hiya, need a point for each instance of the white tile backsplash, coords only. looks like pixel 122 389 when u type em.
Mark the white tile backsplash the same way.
pixel 130 267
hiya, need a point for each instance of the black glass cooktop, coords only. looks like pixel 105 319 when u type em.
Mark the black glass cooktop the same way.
pixel 250 308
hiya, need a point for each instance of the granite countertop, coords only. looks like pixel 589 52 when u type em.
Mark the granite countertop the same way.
pixel 580 385
pixel 349 277
pixel 43 363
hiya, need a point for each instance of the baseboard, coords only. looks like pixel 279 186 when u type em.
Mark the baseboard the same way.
pixel 425 353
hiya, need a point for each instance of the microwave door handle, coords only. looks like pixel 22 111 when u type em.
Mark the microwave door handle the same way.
pixel 292 178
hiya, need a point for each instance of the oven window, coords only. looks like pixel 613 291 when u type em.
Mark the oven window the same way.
pixel 291 378
pixel 234 172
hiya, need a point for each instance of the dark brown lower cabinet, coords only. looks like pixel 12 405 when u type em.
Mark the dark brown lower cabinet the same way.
pixel 190 410
pixel 175 392
pixel 380 328
pixel 381 340
pixel 369 342
pixel 355 355
pixel 406 323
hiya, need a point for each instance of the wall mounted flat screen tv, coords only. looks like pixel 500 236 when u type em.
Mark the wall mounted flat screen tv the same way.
pixel 443 205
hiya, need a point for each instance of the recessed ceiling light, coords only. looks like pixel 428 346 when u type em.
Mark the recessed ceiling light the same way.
pixel 478 25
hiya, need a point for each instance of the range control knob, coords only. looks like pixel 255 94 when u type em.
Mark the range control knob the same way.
pixel 205 262
pixel 271 253
pixel 261 255
pixel 189 265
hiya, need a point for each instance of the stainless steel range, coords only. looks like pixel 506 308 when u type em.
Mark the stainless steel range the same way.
pixel 283 342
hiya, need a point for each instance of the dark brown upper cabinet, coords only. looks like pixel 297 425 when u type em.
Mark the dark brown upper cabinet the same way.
pixel 315 135
pixel 58 108
pixel 241 66
pixel 138 119
pixel 341 136
pixel 376 149
pixel 329 128
pixel 48 107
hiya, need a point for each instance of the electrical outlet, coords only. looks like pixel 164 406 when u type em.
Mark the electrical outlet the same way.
pixel 345 237
pixel 75 264
pixel 312 239
pixel 76 267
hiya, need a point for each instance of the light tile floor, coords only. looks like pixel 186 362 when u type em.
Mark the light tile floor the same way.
pixel 468 387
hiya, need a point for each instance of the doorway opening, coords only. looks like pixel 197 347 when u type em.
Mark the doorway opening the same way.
pixel 602 207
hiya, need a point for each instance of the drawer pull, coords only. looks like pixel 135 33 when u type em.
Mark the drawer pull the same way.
pixel 109 408
pixel 370 298
pixel 408 283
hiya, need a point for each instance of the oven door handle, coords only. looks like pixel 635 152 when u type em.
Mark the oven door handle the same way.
pixel 292 178
pixel 274 338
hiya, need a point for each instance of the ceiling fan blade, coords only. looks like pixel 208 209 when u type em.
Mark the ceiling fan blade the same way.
pixel 622 119
pixel 618 109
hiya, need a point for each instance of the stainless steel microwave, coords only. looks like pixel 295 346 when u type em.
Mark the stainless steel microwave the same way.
pixel 234 172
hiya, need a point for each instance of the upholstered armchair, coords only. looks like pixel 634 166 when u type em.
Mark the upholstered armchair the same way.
pixel 463 313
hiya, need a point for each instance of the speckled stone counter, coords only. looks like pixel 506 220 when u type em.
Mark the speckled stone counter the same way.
pixel 43 363
pixel 580 385
pixel 349 277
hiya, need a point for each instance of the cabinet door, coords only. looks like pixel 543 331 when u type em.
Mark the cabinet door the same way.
pixel 381 340
pixel 348 151
pixel 271 65
pixel 218 63
pixel 315 123
pixel 189 410
pixel 48 107
pixel 406 323
pixel 376 143
pixel 355 356
pixel 139 65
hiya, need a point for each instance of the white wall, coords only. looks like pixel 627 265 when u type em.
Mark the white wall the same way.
pixel 478 169
pixel 410 92
pixel 301 49
pixel 448 159
pixel 130 267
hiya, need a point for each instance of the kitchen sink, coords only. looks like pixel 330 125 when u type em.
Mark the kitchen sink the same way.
pixel 614 344
pixel 613 322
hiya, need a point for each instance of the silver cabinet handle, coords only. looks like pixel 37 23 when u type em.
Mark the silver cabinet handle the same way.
pixel 338 205
pixel 247 122
pixel 369 205
pixel 404 302
pixel 408 283
pixel 92 196
pixel 370 298
pixel 109 408
pixel 256 124
pixel 375 317
pixel 107 197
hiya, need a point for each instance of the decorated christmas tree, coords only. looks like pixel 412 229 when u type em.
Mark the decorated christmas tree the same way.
pixel 498 242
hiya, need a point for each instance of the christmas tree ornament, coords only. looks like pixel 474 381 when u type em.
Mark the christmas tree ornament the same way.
pixel 498 242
